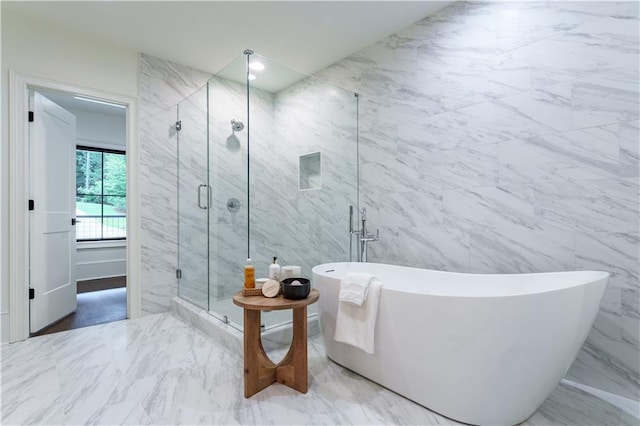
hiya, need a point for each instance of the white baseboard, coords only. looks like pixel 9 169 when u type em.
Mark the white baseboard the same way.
pixel 101 259
pixel 93 270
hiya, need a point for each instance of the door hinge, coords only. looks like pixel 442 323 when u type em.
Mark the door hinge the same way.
pixel 32 205
pixel 32 294
pixel 73 221
pixel 178 273
pixel 30 116
pixel 179 125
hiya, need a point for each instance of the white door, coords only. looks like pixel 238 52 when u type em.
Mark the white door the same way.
pixel 52 237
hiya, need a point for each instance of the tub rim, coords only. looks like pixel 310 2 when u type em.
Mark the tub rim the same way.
pixel 489 293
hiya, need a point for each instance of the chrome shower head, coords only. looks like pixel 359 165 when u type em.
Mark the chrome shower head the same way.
pixel 237 126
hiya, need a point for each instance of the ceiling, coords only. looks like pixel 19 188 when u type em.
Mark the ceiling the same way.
pixel 74 103
pixel 207 35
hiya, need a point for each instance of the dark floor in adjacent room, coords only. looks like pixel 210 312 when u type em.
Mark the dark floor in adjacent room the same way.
pixel 94 307
pixel 101 284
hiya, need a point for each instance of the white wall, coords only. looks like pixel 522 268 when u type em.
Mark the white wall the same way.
pixel 100 130
pixel 38 49
pixel 101 259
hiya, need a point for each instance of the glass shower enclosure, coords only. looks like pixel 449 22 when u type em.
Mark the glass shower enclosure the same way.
pixel 267 166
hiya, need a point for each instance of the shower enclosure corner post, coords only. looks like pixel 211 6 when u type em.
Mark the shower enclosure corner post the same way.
pixel 208 204
pixel 357 96
pixel 178 260
pixel 353 231
pixel 248 53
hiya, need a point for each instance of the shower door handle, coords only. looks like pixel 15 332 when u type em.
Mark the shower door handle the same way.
pixel 200 196
pixel 209 196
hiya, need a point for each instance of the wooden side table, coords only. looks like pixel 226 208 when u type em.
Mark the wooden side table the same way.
pixel 259 370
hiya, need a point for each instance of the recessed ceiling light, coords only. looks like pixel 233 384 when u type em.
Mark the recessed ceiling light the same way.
pixel 251 77
pixel 256 66
pixel 96 101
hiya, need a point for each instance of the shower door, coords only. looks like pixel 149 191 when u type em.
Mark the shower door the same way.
pixel 194 199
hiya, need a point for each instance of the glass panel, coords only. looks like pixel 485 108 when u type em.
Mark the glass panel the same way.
pixel 88 172
pixel 114 217
pixel 228 235
pixel 88 217
pixel 299 122
pixel 115 175
pixel 193 199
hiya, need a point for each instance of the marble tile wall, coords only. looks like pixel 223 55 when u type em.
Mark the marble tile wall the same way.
pixel 162 86
pixel 503 137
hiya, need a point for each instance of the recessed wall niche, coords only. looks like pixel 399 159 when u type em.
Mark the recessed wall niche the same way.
pixel 310 171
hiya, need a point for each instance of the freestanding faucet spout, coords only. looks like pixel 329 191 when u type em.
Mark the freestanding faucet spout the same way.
pixel 364 238
pixel 363 215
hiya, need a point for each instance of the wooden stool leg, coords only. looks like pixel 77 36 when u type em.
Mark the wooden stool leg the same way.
pixel 292 370
pixel 259 371
pixel 251 326
pixel 300 349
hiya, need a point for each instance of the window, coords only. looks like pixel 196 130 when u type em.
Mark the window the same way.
pixel 101 198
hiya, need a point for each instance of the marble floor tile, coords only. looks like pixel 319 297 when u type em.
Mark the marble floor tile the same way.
pixel 160 370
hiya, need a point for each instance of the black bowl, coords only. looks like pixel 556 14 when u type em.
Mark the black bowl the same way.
pixel 295 292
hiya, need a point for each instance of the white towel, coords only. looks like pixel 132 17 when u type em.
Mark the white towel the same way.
pixel 356 325
pixel 354 288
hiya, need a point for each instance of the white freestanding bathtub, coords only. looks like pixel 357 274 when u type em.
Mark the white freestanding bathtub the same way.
pixel 480 349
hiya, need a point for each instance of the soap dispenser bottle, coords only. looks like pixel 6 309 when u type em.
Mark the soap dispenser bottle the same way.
pixel 249 275
pixel 274 270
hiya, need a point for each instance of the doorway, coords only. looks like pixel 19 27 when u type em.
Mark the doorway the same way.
pixel 20 87
pixel 92 135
